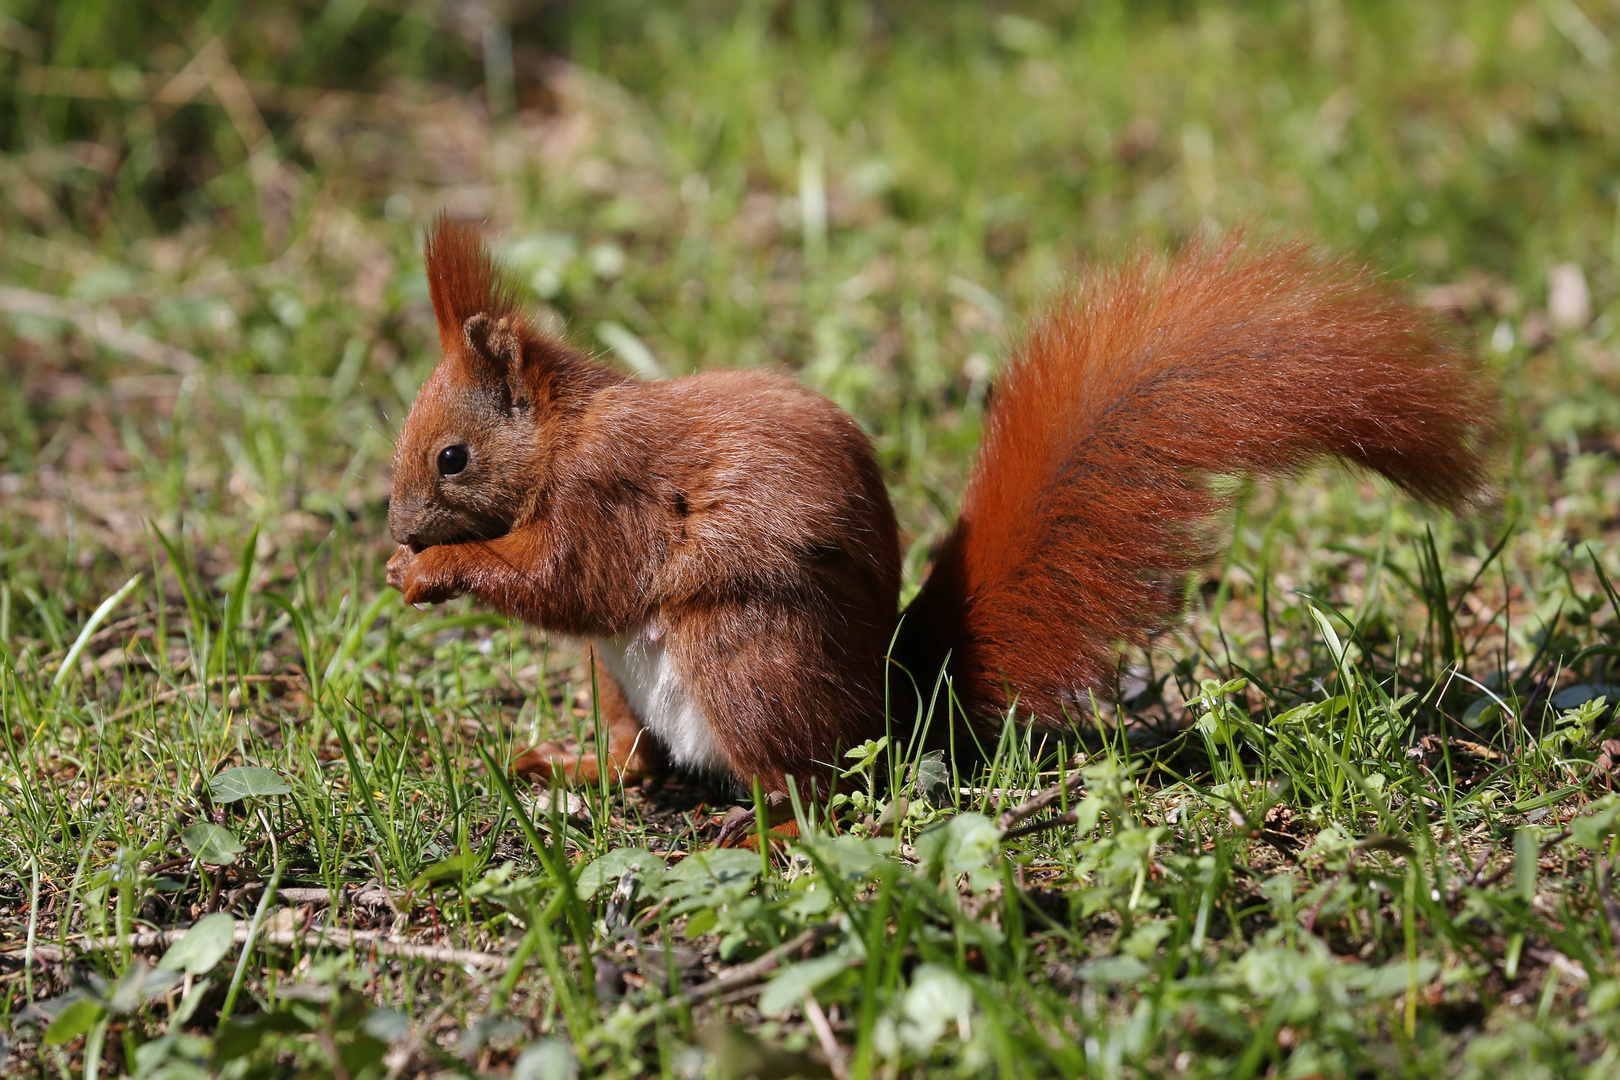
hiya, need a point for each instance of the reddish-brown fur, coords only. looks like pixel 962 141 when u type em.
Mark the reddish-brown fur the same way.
pixel 1085 510
pixel 745 519
pixel 742 513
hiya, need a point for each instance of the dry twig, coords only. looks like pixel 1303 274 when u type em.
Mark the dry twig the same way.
pixel 824 1035
pixel 384 944
pixel 745 974
pixel 1072 784
pixel 1546 846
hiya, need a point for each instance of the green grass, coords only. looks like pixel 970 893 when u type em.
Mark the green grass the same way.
pixel 1357 821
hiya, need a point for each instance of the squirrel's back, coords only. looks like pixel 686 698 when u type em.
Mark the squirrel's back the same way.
pixel 776 483
pixel 1087 506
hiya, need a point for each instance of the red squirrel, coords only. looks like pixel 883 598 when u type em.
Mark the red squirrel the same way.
pixel 726 544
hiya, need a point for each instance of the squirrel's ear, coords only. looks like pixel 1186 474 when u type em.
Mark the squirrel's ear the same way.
pixel 464 280
pixel 493 348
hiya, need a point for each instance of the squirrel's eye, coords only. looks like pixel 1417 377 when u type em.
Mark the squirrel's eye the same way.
pixel 452 459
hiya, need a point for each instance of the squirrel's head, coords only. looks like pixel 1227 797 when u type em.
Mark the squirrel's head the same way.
pixel 474 447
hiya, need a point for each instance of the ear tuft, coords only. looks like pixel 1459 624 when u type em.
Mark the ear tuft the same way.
pixel 464 281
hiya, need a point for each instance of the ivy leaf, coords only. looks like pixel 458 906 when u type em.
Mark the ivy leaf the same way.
pixel 1392 978
pixel 548 1059
pixel 937 996
pixel 1113 970
pixel 386 1025
pixel 75 1020
pixel 963 844
pixel 212 844
pixel 243 1034
pixel 140 983
pixel 850 857
pixel 611 867
pixel 204 945
pixel 931 779
pixel 1592 830
pixel 246 782
pixel 707 873
pixel 791 983
pixel 701 923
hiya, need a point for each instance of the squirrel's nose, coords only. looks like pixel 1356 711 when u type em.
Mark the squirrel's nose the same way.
pixel 402 523
pixel 410 540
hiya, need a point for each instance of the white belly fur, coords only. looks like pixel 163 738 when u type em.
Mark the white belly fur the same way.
pixel 646 672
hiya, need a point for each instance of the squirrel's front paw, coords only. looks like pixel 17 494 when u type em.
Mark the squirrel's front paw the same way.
pixel 425 579
pixel 398 563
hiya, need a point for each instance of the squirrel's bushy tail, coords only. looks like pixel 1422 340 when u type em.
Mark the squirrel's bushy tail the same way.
pixel 1086 508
